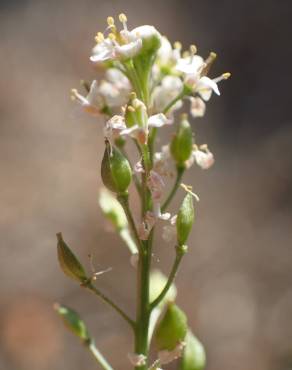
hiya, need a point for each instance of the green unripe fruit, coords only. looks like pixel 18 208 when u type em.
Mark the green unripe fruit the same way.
pixel 185 219
pixel 116 172
pixel 73 322
pixel 182 143
pixel 69 262
pixel 194 357
pixel 172 328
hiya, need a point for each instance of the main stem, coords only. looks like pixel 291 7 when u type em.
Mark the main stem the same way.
pixel 143 306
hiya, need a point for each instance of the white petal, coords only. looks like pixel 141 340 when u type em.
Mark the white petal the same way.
pixel 129 50
pixel 198 107
pixel 158 120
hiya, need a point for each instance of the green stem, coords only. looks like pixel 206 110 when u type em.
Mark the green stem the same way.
pixel 179 174
pixel 143 309
pixel 98 356
pixel 180 251
pixel 180 96
pixel 97 292
pixel 124 201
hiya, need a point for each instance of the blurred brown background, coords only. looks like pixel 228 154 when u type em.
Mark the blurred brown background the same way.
pixel 235 283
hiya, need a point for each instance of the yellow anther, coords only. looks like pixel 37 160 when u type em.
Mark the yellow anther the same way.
pixel 123 18
pixel 133 95
pixel 177 45
pixel 112 36
pixel 73 94
pixel 99 37
pixel 131 109
pixel 226 75
pixel 193 49
pixel 213 55
pixel 186 54
pixel 110 21
pixel 204 147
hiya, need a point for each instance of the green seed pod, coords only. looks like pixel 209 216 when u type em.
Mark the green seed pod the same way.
pixel 69 262
pixel 116 172
pixel 185 219
pixel 112 210
pixel 194 357
pixel 172 328
pixel 181 145
pixel 73 321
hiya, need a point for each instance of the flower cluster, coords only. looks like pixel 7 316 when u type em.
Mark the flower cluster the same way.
pixel 147 80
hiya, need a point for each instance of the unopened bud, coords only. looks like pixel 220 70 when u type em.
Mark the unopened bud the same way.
pixel 151 39
pixel 194 357
pixel 181 145
pixel 185 219
pixel 116 171
pixel 172 328
pixel 69 262
pixel 73 322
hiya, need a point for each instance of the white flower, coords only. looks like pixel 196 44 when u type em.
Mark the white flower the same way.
pixel 163 94
pixel 155 184
pixel 151 218
pixel 191 65
pixel 204 158
pixel 121 45
pixel 166 55
pixel 198 107
pixel 116 126
pixel 206 86
pixel 161 161
pixel 92 103
pixel 137 359
pixel 165 357
pixel 169 230
pixel 115 89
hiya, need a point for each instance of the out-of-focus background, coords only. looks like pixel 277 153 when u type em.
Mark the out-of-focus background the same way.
pixel 235 283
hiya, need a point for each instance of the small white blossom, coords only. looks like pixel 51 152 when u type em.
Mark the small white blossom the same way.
pixel 165 357
pixel 161 162
pixel 198 107
pixel 115 89
pixel 169 230
pixel 203 157
pixel 137 359
pixel 121 45
pixel 163 94
pixel 92 103
pixel 191 66
pixel 206 86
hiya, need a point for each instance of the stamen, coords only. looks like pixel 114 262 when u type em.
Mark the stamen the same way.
pixel 177 45
pixel 188 189
pixel 112 36
pixel 123 20
pixel 110 21
pixel 193 50
pixel 131 109
pixel 226 75
pixel 99 37
pixel 208 63
pixel 133 95
pixel 186 54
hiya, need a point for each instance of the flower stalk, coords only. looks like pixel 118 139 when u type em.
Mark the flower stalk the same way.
pixel 147 80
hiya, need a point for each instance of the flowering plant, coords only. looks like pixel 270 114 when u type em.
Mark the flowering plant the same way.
pixel 146 82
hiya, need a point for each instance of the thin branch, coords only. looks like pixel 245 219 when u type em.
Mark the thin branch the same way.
pixel 107 300
pixel 179 174
pixel 98 356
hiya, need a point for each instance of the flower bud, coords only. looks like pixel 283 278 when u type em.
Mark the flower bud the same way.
pixel 112 210
pixel 194 357
pixel 182 143
pixel 172 328
pixel 185 219
pixel 69 262
pixel 73 322
pixel 136 113
pixel 151 39
pixel 116 172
